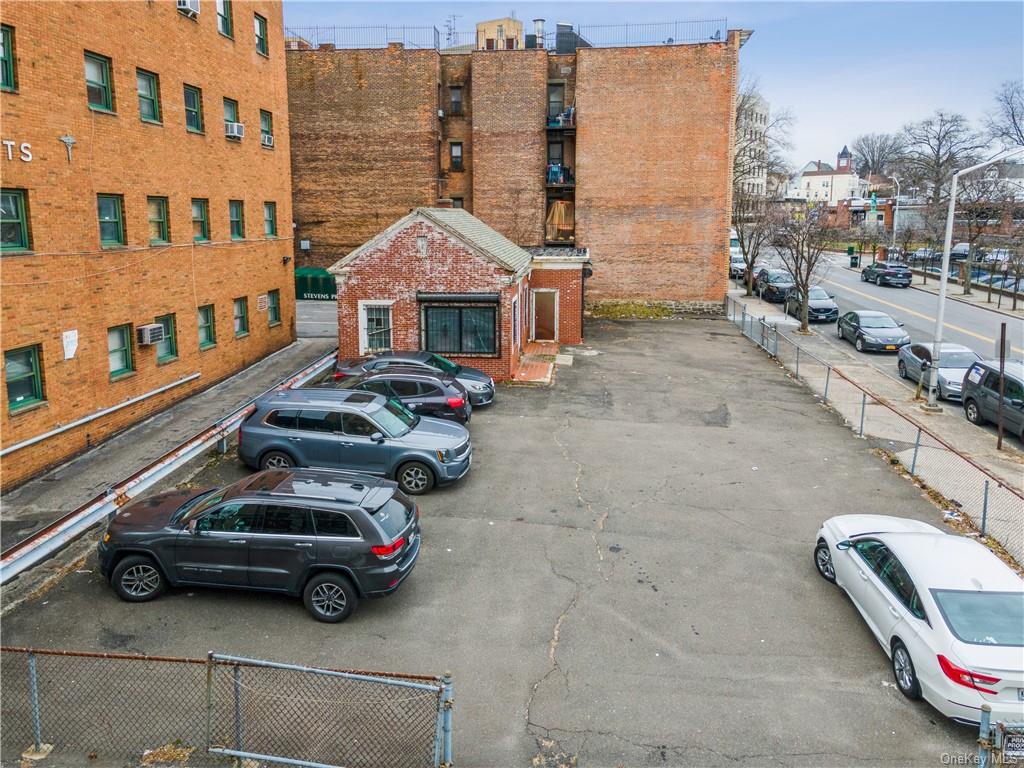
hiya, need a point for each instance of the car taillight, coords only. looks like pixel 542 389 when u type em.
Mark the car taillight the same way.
pixel 965 677
pixel 456 402
pixel 339 375
pixel 387 551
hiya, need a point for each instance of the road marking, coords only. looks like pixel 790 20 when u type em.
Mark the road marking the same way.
pixel 916 314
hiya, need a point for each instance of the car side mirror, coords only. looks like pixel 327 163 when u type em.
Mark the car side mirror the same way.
pixel 1017 403
pixel 900 324
pixel 377 437
pixel 844 544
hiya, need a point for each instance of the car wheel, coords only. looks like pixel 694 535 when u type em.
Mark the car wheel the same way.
pixel 973 413
pixel 902 368
pixel 878 281
pixel 330 597
pixel 276 460
pixel 137 579
pixel 823 561
pixel 415 478
pixel 859 344
pixel 903 671
pixel 839 331
pixel 863 277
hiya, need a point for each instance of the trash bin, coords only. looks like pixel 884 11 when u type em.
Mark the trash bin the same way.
pixel 854 258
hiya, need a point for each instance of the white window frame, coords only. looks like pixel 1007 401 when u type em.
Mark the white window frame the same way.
pixel 364 339
pixel 516 322
pixel 533 311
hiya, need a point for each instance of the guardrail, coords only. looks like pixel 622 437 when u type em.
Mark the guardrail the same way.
pixel 959 484
pixel 48 540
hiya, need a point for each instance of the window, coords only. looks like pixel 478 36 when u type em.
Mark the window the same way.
pixel 148 86
pixel 230 111
pixel 242 317
pixel 119 350
pixel 874 552
pixel 24 376
pixel 333 524
pixel 224 23
pixel 8 73
pixel 231 518
pixel 266 129
pixel 98 86
pixel 274 307
pixel 455 99
pixel 193 109
pixel 318 421
pixel 555 152
pixel 376 331
pixel 159 228
pixel 404 388
pixel 458 202
pixel 200 219
pixel 556 99
pixel 357 426
pixel 455 155
pixel 287 419
pixel 167 349
pixel 111 216
pixel 13 220
pixel 236 215
pixel 466 330
pixel 260 25
pixel 896 578
pixel 286 521
pixel 270 219
pixel 207 327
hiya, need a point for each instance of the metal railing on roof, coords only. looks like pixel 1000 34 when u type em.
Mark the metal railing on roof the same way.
pixel 664 33
pixel 379 36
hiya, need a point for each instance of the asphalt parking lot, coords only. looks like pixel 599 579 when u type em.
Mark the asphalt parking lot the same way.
pixel 624 577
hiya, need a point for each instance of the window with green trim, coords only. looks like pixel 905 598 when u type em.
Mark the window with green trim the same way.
pixel 8 73
pixel 225 24
pixel 274 307
pixel 230 111
pixel 270 219
pixel 241 316
pixel 200 219
pixel 207 327
pixel 159 226
pixel 236 215
pixel 148 85
pixel 266 123
pixel 119 350
pixel 13 220
pixel 23 373
pixel 98 83
pixel 111 216
pixel 260 25
pixel 193 109
pixel 167 349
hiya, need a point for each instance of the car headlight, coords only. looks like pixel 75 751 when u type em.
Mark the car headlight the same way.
pixel 872 339
pixel 444 456
pixel 478 387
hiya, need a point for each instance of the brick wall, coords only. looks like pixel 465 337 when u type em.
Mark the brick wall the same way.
pixel 569 283
pixel 68 282
pixel 509 142
pixel 364 137
pixel 455 70
pixel 654 159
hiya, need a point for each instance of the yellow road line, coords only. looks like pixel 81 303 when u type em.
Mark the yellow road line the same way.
pixel 916 314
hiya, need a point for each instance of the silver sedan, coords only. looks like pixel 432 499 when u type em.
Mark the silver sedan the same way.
pixel 915 361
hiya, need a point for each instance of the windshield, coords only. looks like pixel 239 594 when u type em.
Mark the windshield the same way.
pixel 779 277
pixel 957 359
pixel 198 505
pixel 817 293
pixel 734 242
pixel 983 618
pixel 395 419
pixel 877 321
pixel 444 364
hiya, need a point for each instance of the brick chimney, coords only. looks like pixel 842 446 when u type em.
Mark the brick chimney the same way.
pixel 444 202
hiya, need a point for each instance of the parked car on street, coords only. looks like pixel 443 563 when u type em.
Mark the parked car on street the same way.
pixel 946 610
pixel 886 273
pixel 821 305
pixel 925 255
pixel 737 266
pixel 915 362
pixel 980 394
pixel 425 392
pixel 960 251
pixel 869 330
pixel 354 430
pixel 998 254
pixel 479 385
pixel 330 537
pixel 773 284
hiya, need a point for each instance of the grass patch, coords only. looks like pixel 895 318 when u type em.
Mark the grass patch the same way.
pixel 630 310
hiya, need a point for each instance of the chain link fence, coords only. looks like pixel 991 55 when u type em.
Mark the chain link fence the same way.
pixel 953 480
pixel 113 709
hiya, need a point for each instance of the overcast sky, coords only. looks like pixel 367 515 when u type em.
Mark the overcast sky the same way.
pixel 842 68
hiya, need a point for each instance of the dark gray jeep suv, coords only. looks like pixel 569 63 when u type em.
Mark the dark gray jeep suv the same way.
pixel 331 537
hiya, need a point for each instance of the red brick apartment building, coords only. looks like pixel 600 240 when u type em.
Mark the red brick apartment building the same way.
pixel 146 212
pixel 623 151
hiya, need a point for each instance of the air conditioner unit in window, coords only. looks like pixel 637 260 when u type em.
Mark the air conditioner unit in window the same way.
pixel 234 130
pixel 440 114
pixel 149 334
pixel 189 7
pixel 267 140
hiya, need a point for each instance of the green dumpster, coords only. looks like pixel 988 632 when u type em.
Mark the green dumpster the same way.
pixel 315 283
pixel 854 258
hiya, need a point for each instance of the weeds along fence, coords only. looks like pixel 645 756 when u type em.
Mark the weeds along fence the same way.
pixel 956 482
pixel 114 709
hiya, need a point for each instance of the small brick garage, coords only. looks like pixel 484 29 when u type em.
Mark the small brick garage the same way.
pixel 440 279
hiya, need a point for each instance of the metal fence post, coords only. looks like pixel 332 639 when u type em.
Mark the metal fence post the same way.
pixel 33 687
pixel 797 361
pixel 448 702
pixel 828 375
pixel 985 736
pixel 917 444
pixel 775 341
pixel 238 707
pixel 209 699
pixel 863 409
pixel 984 509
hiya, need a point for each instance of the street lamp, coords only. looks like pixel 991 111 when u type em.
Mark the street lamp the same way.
pixel 896 212
pixel 933 372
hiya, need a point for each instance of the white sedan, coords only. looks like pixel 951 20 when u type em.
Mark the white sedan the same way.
pixel 947 611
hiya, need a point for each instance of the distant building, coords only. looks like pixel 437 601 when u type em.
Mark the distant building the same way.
pixel 499 35
pixel 820 182
pixel 752 146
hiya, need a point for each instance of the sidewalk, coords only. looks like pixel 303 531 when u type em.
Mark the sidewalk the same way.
pixel 979 297
pixel 59 491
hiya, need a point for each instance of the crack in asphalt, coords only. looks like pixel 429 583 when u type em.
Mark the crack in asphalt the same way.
pixel 599 522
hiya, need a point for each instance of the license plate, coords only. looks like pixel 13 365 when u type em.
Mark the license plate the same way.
pixel 890 346
pixel 1013 745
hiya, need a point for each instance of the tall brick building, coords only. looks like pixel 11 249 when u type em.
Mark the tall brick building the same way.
pixel 146 212
pixel 624 151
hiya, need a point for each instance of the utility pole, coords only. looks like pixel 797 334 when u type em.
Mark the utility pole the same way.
pixel 1002 385
pixel 896 212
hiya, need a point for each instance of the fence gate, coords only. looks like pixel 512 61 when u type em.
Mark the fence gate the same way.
pixel 999 743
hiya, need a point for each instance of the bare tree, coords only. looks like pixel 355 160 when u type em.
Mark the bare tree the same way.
pixel 753 221
pixel 876 153
pixel 935 148
pixel 759 145
pixel 1005 123
pixel 906 235
pixel 802 240
pixel 980 202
